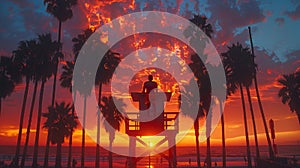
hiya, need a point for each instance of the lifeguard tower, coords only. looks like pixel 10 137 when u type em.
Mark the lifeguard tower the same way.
pixel 164 124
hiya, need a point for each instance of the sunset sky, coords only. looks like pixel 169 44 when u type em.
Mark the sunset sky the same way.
pixel 275 31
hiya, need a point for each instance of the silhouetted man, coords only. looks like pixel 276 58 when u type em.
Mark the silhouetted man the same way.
pixel 153 106
pixel 149 85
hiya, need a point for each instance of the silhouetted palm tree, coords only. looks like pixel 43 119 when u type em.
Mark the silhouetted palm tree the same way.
pixel 202 79
pixel 31 64
pixel 29 124
pixel 46 68
pixel 271 152
pixel 78 42
pixel 67 75
pixel 10 75
pixel 253 122
pixel 231 88
pixel 113 118
pixel 188 104
pixel 62 11
pixel 240 69
pixel 201 22
pixel 21 59
pixel 204 88
pixel 220 100
pixel 85 90
pixel 104 74
pixel 7 84
pixel 244 57
pixel 205 101
pixel 290 91
pixel 66 82
pixel 61 123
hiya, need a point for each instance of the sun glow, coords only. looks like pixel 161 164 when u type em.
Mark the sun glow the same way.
pixel 151 144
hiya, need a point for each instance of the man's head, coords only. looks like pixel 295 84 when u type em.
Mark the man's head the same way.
pixel 150 77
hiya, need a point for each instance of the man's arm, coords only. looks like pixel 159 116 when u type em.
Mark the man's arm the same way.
pixel 144 88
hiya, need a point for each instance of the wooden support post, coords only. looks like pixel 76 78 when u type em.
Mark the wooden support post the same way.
pixel 172 151
pixel 132 146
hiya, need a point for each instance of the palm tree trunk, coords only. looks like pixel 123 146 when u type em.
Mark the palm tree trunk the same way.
pixel 208 131
pixel 53 98
pixel 28 125
pixel 0 105
pixel 54 82
pixel 71 136
pixel 246 128
pixel 223 137
pixel 47 149
pixel 83 133
pixel 56 66
pixel 58 156
pixel 37 134
pixel 59 31
pixel 208 157
pixel 110 159
pixel 21 122
pixel 254 124
pixel 271 153
pixel 70 149
pixel 97 165
pixel 196 128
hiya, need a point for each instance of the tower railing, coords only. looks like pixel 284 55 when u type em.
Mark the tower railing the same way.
pixel 132 123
